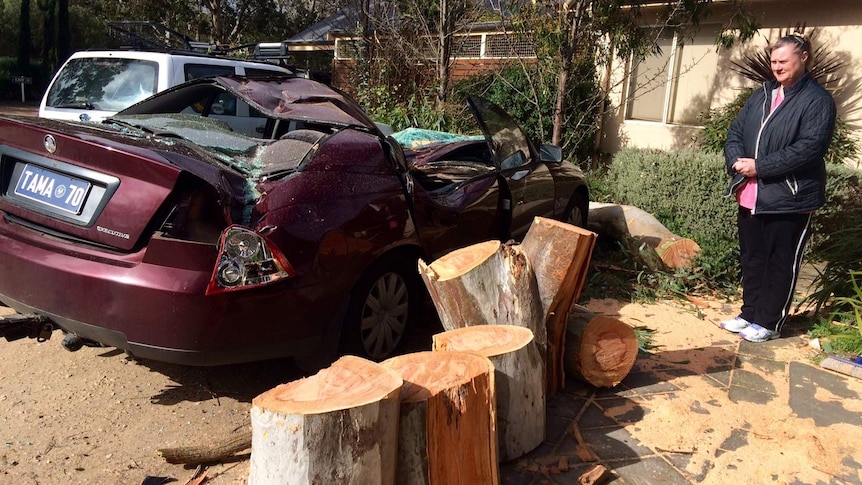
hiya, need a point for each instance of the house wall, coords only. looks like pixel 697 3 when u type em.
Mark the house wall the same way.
pixel 702 78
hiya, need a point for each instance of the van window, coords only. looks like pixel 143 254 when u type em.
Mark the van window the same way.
pixel 255 72
pixel 235 113
pixel 108 84
pixel 194 71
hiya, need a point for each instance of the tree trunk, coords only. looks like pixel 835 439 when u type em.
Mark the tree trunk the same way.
pixel 447 430
pixel 64 32
pixel 599 350
pixel 338 426
pixel 626 221
pixel 49 49
pixel 560 255
pixel 486 283
pixel 24 38
pixel 519 380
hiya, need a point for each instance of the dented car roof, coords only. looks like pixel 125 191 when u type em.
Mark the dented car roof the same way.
pixel 281 97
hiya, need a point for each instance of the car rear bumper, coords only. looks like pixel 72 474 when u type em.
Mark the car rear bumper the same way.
pixel 157 312
pixel 114 338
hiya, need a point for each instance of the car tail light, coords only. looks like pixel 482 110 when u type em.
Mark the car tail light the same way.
pixel 246 259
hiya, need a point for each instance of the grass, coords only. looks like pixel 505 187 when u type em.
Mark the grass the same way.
pixel 841 332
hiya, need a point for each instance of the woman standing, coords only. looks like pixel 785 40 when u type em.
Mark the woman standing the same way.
pixel 774 154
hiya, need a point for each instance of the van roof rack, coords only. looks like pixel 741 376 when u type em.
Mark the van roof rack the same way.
pixel 144 35
pixel 153 36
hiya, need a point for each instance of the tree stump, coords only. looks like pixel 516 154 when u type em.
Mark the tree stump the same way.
pixel 626 221
pixel 599 350
pixel 519 381
pixel 447 432
pixel 337 426
pixel 560 256
pixel 488 283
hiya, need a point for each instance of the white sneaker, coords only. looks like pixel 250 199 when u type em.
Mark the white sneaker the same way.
pixel 735 325
pixel 756 333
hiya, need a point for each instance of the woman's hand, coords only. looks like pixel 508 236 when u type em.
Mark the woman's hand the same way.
pixel 745 167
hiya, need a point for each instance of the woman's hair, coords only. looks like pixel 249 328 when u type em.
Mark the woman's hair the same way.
pixel 798 40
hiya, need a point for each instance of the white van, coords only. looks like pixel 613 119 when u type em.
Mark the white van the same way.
pixel 93 85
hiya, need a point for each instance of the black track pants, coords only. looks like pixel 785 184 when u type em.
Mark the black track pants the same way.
pixel 770 254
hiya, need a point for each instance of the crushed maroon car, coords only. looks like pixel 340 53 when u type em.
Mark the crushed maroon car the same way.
pixel 180 232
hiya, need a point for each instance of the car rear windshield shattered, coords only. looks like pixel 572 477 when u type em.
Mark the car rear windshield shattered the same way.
pixel 250 156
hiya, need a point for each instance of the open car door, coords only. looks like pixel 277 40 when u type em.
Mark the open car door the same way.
pixel 529 186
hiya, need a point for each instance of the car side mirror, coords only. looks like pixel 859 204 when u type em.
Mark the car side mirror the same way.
pixel 384 128
pixel 550 153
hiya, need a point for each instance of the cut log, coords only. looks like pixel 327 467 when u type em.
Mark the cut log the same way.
pixel 447 430
pixel 519 380
pixel 213 453
pixel 600 350
pixel 560 256
pixel 337 426
pixel 488 283
pixel 626 221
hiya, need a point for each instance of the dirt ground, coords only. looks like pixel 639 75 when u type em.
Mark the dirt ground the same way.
pixel 95 416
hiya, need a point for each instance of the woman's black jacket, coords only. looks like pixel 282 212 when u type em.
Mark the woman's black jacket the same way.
pixel 788 146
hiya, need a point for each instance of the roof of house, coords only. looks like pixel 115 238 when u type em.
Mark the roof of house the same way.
pixel 347 20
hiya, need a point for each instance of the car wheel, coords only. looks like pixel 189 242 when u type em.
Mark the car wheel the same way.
pixel 383 307
pixel 576 213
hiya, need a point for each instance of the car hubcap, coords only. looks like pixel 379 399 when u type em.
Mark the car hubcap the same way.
pixel 384 316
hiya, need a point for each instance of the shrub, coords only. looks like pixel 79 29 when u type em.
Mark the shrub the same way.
pixel 842 211
pixel 836 232
pixel 599 184
pixel 717 121
pixel 684 190
pixel 844 146
pixel 416 111
pixel 9 69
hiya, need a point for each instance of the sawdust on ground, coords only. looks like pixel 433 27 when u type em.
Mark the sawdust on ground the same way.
pixel 95 416
pixel 696 421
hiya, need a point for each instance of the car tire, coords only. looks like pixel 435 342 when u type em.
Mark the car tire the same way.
pixel 577 211
pixel 384 306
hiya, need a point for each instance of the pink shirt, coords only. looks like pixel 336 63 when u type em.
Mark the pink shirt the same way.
pixel 746 196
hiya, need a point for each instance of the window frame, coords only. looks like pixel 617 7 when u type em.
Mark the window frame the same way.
pixel 681 66
pixel 669 85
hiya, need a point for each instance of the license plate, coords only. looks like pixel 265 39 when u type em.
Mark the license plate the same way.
pixel 52 189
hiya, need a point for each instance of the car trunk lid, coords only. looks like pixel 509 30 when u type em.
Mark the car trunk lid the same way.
pixel 82 183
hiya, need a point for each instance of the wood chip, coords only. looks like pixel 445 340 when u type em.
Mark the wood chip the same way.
pixel 593 476
pixel 199 477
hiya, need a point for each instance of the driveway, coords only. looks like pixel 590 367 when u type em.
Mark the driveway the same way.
pixel 704 407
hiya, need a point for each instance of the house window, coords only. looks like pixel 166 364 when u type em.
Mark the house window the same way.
pixel 508 45
pixel 674 86
pixel 347 48
pixel 467 46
